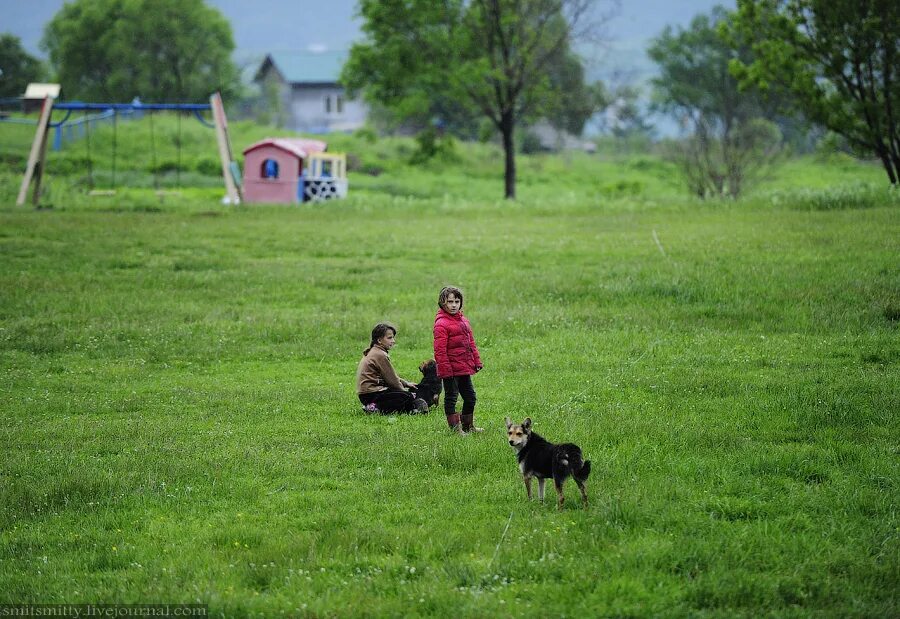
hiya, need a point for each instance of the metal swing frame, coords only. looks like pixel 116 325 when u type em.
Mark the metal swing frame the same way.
pixel 37 158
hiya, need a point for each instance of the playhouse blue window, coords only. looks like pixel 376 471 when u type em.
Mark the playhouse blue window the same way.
pixel 270 168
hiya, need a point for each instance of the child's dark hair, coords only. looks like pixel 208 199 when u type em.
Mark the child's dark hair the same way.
pixel 446 291
pixel 379 332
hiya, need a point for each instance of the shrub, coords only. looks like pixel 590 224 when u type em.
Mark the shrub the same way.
pixel 372 169
pixel 208 166
pixel 72 164
pixel 531 143
pixel 621 188
pixel 354 163
pixel 851 197
pixel 367 134
pixel 431 145
pixel 167 165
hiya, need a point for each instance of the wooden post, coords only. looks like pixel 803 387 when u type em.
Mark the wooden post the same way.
pixel 37 158
pixel 218 111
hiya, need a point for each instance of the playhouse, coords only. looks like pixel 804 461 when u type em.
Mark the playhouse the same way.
pixel 293 170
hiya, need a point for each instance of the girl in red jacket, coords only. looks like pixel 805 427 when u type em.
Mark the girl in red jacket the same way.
pixel 457 359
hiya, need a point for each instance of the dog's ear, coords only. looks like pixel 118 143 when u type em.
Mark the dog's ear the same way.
pixel 508 423
pixel 526 425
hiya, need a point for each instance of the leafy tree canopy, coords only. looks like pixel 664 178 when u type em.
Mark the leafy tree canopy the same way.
pixel 159 50
pixel 694 78
pixel 18 67
pixel 838 59
pixel 730 138
pixel 505 60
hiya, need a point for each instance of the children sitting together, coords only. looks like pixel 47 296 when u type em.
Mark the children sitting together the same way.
pixel 381 389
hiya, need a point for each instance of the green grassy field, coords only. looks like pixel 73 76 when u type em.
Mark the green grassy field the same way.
pixel 176 388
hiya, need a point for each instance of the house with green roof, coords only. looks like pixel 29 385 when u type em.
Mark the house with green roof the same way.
pixel 305 85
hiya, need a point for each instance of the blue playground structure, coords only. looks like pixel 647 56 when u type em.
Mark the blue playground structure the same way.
pixel 110 112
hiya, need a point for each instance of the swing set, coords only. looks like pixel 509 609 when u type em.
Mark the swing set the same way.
pixel 37 158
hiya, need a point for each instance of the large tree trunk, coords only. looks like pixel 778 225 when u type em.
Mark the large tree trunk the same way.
pixel 891 166
pixel 883 152
pixel 507 128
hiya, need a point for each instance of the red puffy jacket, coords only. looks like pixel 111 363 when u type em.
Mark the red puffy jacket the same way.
pixel 454 345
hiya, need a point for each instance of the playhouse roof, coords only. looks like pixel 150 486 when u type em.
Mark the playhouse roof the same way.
pixel 296 146
pixel 306 67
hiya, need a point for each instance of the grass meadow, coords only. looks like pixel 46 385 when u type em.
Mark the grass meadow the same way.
pixel 180 423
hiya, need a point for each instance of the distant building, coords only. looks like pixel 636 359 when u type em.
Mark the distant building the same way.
pixel 305 86
pixel 552 139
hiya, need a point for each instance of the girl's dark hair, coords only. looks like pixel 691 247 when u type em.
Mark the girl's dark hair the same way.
pixel 379 332
pixel 446 291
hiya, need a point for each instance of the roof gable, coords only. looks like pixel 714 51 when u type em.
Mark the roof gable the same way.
pixel 306 67
pixel 298 147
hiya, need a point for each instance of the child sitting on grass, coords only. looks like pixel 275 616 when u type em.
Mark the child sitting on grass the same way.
pixel 377 384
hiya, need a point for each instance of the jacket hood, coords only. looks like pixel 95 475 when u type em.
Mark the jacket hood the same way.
pixel 442 312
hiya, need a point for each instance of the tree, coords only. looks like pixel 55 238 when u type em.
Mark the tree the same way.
pixel 17 67
pixel 574 100
pixel 840 61
pixel 491 57
pixel 730 139
pixel 159 50
pixel 623 115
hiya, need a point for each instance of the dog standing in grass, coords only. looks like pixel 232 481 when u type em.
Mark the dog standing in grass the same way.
pixel 540 458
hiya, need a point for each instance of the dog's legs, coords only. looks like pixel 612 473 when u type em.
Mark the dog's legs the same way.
pixel 527 479
pixel 583 488
pixel 541 481
pixel 560 499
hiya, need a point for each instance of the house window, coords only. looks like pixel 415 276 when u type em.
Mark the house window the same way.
pixel 339 104
pixel 269 169
pixel 328 104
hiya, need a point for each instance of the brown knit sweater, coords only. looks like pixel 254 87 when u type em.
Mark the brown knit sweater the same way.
pixel 375 372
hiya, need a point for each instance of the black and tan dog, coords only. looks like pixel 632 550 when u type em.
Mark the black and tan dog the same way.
pixel 429 389
pixel 540 458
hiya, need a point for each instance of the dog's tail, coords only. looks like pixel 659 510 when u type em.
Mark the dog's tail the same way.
pixel 582 473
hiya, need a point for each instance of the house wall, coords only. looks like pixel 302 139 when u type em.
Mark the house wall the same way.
pixel 308 110
pixel 283 189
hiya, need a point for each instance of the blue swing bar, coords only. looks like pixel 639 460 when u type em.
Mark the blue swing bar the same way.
pixel 110 109
pixel 138 106
pixel 79 106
